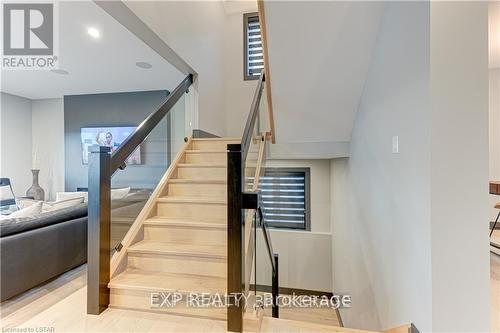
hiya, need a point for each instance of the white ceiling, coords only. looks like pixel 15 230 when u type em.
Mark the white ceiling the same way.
pixel 494 34
pixel 329 68
pixel 239 6
pixel 94 66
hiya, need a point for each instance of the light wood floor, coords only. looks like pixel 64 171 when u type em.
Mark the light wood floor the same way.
pixel 495 237
pixel 61 304
pixel 495 292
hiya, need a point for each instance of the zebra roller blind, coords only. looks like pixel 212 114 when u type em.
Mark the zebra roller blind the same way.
pixel 254 58
pixel 284 198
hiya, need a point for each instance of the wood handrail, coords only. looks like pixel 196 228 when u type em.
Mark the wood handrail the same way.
pixel 267 67
pixel 248 132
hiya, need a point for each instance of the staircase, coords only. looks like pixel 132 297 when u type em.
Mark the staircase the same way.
pixel 180 245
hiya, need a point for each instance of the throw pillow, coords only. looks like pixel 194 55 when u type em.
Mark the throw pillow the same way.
pixel 119 193
pixel 56 205
pixel 24 203
pixel 61 196
pixel 32 212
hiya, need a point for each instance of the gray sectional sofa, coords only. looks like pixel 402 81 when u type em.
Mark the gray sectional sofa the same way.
pixel 33 251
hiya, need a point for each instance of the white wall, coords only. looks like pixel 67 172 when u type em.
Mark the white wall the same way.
pixel 494 140
pixel 297 248
pixel 48 144
pixel 15 137
pixel 238 93
pixel 494 121
pixel 195 30
pixel 409 241
pixel 459 167
pixel 238 98
pixel 29 126
pixel 380 201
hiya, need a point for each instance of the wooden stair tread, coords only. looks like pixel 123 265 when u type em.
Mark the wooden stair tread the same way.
pixel 136 279
pixel 181 249
pixel 193 199
pixel 197 181
pixel 235 139
pixel 206 151
pixel 201 165
pixel 174 222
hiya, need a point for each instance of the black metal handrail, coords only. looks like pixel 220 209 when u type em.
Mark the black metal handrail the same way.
pixel 246 139
pixel 273 257
pixel 267 238
pixel 133 141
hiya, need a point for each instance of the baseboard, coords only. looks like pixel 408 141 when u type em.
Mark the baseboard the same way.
pixel 201 134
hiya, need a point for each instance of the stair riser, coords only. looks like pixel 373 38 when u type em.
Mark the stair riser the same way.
pixel 216 191
pixel 212 145
pixel 202 173
pixel 178 264
pixel 207 158
pixel 141 300
pixel 118 231
pixel 177 234
pixel 198 212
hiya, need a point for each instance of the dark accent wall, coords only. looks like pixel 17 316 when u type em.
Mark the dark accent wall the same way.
pixel 115 109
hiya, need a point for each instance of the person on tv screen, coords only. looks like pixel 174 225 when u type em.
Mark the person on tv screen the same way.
pixel 106 139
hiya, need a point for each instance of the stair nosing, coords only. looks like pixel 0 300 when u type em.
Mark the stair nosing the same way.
pixel 217 139
pixel 205 151
pixel 197 181
pixel 193 200
pixel 201 165
pixel 196 254
pixel 120 285
pixel 158 221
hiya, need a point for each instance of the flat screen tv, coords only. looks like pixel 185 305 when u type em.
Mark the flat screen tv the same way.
pixel 109 137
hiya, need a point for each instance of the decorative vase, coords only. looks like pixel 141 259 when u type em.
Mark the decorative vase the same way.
pixel 35 190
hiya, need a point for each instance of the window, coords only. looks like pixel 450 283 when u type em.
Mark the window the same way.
pixel 253 56
pixel 285 198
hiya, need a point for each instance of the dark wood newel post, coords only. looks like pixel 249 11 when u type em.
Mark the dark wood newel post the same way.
pixel 235 248
pixel 99 229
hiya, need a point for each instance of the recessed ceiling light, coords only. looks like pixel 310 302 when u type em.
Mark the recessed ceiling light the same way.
pixel 93 32
pixel 143 64
pixel 59 71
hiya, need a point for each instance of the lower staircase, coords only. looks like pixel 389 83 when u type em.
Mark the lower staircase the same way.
pixel 179 243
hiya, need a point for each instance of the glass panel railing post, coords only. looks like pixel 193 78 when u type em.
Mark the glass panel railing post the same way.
pixel 99 229
pixel 275 287
pixel 133 185
pixel 255 252
pixel 235 236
